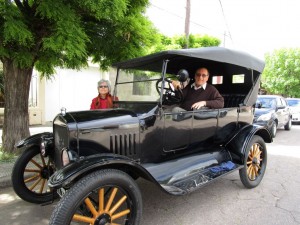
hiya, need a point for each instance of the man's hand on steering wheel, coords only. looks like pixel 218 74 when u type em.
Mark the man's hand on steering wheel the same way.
pixel 171 96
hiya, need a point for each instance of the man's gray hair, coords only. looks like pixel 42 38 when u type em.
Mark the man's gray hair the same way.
pixel 104 81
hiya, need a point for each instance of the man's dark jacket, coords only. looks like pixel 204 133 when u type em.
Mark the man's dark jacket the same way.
pixel 211 95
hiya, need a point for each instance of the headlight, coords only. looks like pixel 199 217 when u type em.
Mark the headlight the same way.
pixel 265 117
pixel 43 148
pixel 65 157
pixel 68 156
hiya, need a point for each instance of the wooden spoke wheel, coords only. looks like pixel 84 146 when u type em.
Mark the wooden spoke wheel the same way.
pixel 101 198
pixel 30 175
pixel 255 163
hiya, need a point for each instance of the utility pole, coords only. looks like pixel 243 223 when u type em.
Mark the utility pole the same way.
pixel 187 22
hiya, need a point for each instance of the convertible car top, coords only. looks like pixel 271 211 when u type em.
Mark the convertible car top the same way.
pixel 192 58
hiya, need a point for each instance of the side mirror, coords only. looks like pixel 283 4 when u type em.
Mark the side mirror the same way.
pixel 182 75
pixel 258 105
pixel 281 107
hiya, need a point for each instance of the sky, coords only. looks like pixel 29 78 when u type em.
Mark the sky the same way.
pixel 253 26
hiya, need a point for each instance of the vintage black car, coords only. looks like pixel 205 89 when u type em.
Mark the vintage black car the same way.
pixel 93 158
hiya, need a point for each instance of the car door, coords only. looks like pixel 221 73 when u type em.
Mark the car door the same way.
pixel 285 111
pixel 177 130
pixel 185 128
pixel 281 111
pixel 204 126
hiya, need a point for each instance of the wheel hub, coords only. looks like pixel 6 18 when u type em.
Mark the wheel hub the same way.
pixel 46 172
pixel 254 161
pixel 103 219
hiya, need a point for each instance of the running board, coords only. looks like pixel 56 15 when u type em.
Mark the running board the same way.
pixel 191 183
pixel 183 175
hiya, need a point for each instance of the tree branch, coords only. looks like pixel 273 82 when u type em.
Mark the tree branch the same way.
pixel 26 5
pixel 20 6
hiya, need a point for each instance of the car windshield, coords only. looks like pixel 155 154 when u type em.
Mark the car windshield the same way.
pixel 137 86
pixel 294 102
pixel 265 103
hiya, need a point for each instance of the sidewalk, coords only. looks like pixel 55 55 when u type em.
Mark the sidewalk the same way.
pixel 6 167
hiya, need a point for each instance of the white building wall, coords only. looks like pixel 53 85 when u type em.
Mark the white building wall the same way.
pixel 71 89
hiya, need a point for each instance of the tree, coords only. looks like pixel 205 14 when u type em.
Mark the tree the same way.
pixel 179 42
pixel 282 72
pixel 44 34
pixel 1 83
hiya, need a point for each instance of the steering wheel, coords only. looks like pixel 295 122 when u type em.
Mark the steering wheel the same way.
pixel 170 96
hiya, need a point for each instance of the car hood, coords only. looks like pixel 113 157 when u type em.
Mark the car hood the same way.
pixel 295 109
pixel 261 111
pixel 95 119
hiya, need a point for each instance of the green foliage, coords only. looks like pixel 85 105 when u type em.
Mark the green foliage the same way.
pixel 179 42
pixel 6 157
pixel 282 72
pixel 47 34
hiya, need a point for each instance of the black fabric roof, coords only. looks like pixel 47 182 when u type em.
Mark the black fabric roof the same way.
pixel 190 59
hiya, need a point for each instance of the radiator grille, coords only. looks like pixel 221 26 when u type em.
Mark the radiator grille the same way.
pixel 124 144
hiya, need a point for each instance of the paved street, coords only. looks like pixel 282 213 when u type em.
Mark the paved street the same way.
pixel 276 201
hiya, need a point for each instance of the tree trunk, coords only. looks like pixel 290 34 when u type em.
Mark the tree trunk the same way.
pixel 16 117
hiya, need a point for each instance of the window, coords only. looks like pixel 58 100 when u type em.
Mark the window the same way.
pixel 141 88
pixel 279 103
pixel 238 78
pixel 218 79
pixel 283 102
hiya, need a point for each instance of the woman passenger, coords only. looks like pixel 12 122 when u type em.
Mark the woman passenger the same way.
pixel 104 99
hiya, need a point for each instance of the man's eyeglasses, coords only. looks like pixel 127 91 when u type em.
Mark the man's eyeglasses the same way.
pixel 201 75
pixel 103 86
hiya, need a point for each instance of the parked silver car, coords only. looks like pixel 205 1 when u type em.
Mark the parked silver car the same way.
pixel 272 112
pixel 294 104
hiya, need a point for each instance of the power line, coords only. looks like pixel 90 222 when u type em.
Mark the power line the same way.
pixel 193 22
pixel 225 21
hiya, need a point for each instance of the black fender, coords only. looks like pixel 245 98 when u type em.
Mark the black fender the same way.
pixel 34 139
pixel 44 141
pixel 239 142
pixel 69 174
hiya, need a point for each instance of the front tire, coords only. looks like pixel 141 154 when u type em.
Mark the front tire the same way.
pixel 103 197
pixel 274 129
pixel 288 125
pixel 255 163
pixel 30 175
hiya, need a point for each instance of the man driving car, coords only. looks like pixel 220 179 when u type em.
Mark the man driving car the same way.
pixel 200 93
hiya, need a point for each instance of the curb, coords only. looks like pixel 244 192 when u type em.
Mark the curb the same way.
pixel 5 173
pixel 5 182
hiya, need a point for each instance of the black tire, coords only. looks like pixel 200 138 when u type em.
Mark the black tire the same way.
pixel 255 163
pixel 74 205
pixel 288 125
pixel 274 129
pixel 30 175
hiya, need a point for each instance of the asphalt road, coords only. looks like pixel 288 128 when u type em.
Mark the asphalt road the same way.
pixel 276 201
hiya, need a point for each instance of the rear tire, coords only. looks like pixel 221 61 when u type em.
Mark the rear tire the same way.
pixel 103 197
pixel 255 163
